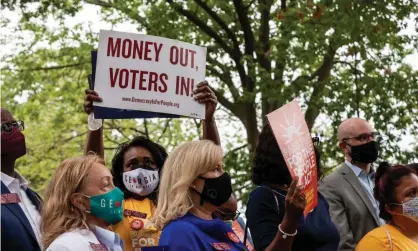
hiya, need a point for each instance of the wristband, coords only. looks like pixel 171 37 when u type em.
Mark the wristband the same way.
pixel 285 235
pixel 94 124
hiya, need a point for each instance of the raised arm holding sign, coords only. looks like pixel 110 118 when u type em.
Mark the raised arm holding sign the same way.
pixel 136 76
pixel 285 171
pixel 148 73
pixel 293 136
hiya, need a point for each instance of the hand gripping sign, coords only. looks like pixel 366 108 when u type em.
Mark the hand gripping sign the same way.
pixel 295 142
pixel 148 73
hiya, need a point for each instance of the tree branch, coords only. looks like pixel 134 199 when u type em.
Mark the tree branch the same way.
pixel 235 55
pixel 137 131
pixel 242 12
pixel 283 5
pixel 113 126
pixel 100 3
pixel 167 124
pixel 110 148
pixel 66 140
pixel 220 22
pixel 235 150
pixel 58 67
pixel 146 128
pixel 264 34
pixel 224 77
pixel 133 14
pixel 198 125
pixel 111 140
pixel 233 107
pixel 203 26
pixel 323 73
pixel 238 65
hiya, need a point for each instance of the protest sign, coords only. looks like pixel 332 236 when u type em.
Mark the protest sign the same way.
pixel 148 73
pixel 295 142
pixel 114 113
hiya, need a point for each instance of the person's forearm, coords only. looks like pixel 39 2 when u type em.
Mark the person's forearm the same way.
pixel 94 143
pixel 289 226
pixel 210 131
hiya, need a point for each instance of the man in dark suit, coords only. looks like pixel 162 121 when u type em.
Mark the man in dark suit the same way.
pixel 20 206
pixel 349 189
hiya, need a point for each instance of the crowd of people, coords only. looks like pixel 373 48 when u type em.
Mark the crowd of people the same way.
pixel 185 201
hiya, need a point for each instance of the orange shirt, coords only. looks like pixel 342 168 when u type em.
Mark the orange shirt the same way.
pixel 135 229
pixel 378 239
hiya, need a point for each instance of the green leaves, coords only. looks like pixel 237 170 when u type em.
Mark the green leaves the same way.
pixel 341 58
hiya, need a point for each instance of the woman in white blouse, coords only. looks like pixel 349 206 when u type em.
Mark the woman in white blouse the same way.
pixel 81 203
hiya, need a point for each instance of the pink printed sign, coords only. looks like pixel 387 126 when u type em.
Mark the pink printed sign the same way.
pixel 295 142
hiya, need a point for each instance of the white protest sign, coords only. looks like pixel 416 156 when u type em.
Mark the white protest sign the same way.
pixel 148 73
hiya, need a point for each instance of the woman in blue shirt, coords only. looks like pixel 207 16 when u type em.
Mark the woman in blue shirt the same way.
pixel 273 222
pixel 193 185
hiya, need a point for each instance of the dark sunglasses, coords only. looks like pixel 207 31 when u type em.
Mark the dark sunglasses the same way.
pixel 229 216
pixel 364 137
pixel 8 126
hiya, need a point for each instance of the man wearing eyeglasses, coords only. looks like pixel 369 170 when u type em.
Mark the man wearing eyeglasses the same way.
pixel 349 189
pixel 20 206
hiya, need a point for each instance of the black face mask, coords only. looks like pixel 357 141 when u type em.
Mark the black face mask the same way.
pixel 366 153
pixel 216 191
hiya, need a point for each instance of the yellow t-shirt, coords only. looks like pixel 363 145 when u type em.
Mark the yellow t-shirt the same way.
pixel 378 240
pixel 135 229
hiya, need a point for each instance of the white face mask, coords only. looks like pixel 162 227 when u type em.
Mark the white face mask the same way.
pixel 141 181
pixel 410 208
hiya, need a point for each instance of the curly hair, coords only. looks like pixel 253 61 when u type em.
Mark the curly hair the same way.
pixel 269 164
pixel 158 153
pixel 387 178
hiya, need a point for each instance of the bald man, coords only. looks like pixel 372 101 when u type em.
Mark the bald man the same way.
pixel 349 189
pixel 20 206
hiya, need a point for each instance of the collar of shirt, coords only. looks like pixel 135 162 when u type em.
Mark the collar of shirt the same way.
pixel 107 237
pixel 7 180
pixel 358 171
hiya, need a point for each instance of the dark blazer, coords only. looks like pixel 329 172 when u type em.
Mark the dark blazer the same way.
pixel 350 207
pixel 16 231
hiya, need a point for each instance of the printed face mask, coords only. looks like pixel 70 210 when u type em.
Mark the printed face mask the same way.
pixel 410 208
pixel 366 153
pixel 108 206
pixel 142 181
pixel 216 190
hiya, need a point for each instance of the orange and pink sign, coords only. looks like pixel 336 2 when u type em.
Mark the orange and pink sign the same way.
pixel 295 142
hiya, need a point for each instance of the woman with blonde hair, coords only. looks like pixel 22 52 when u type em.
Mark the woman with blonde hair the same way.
pixel 192 187
pixel 80 204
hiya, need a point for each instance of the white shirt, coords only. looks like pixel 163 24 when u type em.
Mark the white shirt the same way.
pixel 80 240
pixel 19 185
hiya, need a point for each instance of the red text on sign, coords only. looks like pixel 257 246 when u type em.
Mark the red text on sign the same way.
pixel 182 56
pixel 135 79
pixel 184 86
pixel 129 48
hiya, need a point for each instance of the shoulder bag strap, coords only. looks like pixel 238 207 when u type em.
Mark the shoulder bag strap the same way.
pixel 277 209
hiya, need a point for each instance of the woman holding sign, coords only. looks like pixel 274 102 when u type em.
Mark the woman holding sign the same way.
pixel 193 186
pixel 275 208
pixel 137 166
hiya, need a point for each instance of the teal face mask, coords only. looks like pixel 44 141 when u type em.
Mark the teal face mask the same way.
pixel 108 206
